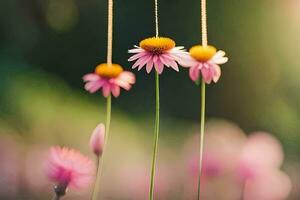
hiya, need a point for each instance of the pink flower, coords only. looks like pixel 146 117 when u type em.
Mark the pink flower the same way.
pixel 97 139
pixel 205 60
pixel 273 185
pixel 69 168
pixel 261 153
pixel 110 78
pixel 157 52
pixel 259 169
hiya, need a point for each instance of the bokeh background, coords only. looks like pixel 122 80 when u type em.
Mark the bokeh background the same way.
pixel 46 46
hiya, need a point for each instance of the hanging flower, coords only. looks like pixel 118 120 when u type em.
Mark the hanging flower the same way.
pixel 205 59
pixel 110 78
pixel 157 52
pixel 69 168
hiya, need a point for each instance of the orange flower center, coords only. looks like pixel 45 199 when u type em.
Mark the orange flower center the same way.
pixel 157 45
pixel 109 71
pixel 203 53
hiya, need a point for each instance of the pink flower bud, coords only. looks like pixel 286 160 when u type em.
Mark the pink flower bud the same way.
pixel 97 139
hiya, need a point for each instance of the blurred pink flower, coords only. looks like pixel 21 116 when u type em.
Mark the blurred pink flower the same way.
pixel 205 60
pixel 259 169
pixel 273 185
pixel 261 153
pixel 157 52
pixel 69 167
pixel 97 139
pixel 110 78
pixel 211 166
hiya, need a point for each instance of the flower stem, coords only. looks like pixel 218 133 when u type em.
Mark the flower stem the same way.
pixel 100 160
pixel 60 191
pixel 156 134
pixel 202 126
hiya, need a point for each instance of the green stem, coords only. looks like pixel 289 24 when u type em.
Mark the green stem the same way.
pixel 100 160
pixel 156 134
pixel 202 126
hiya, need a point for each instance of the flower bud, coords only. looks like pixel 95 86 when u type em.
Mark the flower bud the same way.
pixel 97 139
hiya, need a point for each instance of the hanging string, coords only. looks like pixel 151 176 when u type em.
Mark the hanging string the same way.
pixel 156 18
pixel 203 92
pixel 110 32
pixel 204 22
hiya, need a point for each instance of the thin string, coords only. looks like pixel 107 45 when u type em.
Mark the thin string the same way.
pixel 203 94
pixel 110 32
pixel 204 22
pixel 156 17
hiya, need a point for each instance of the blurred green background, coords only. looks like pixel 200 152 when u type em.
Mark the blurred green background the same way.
pixel 46 46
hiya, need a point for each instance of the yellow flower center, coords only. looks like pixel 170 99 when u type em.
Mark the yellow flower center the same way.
pixel 203 53
pixel 157 45
pixel 109 71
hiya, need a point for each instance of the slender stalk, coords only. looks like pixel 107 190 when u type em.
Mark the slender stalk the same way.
pixel 156 134
pixel 97 175
pixel 202 126
pixel 100 160
pixel 60 191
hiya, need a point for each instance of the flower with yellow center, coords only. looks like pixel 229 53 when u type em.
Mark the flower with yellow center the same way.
pixel 157 44
pixel 157 52
pixel 205 60
pixel 109 77
pixel 203 53
pixel 108 71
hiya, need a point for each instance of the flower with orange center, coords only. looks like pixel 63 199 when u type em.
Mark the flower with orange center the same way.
pixel 109 77
pixel 157 52
pixel 205 59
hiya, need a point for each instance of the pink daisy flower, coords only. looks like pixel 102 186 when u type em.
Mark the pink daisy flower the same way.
pixel 109 78
pixel 69 168
pixel 157 52
pixel 205 60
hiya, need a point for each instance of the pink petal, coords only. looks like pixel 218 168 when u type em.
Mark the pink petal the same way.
pixel 145 61
pixel 125 80
pixel 206 75
pixel 106 89
pixel 194 73
pixel 127 76
pixel 174 65
pixel 149 66
pixel 164 60
pixel 136 56
pixel 217 73
pixel 139 61
pixel 93 86
pixel 115 89
pixel 90 77
pixel 159 66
